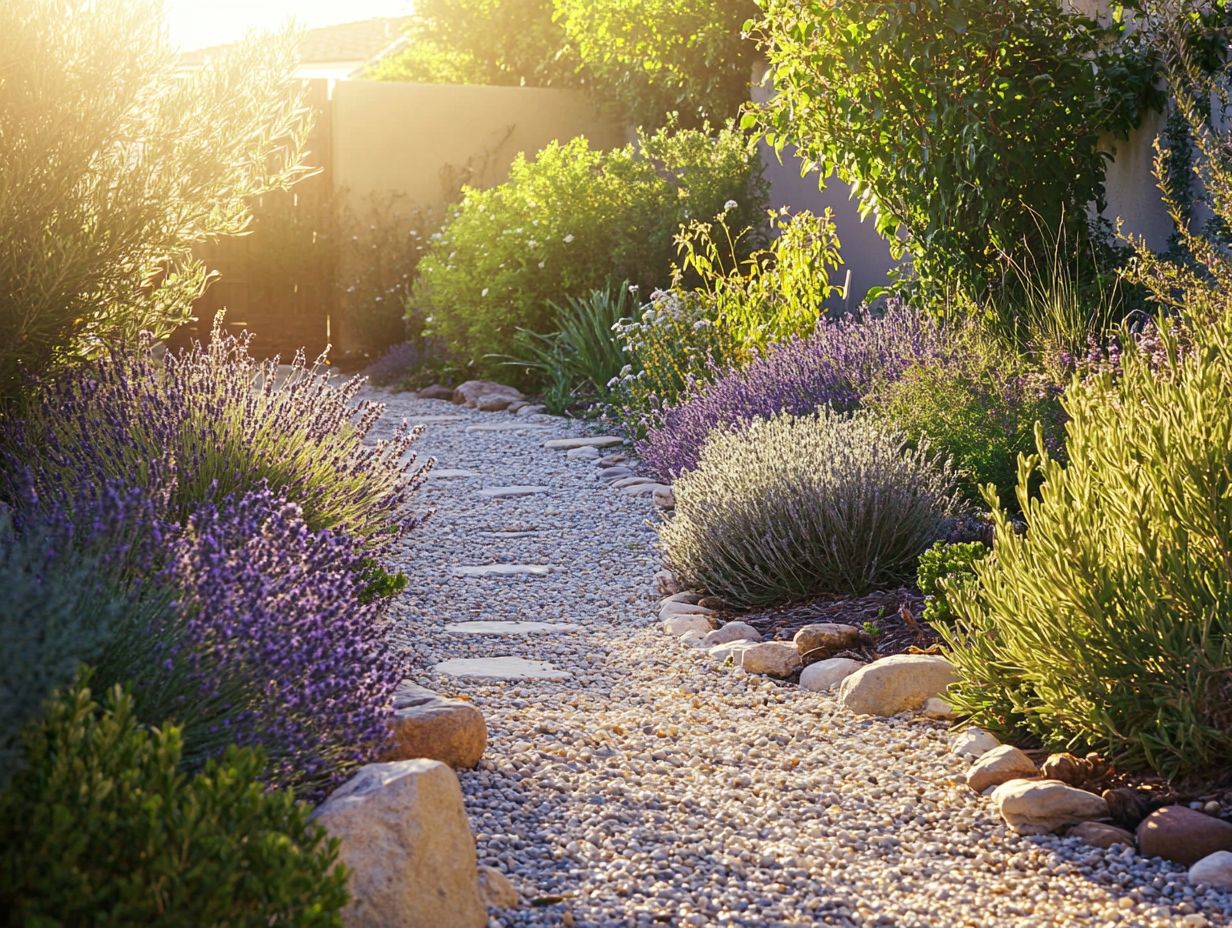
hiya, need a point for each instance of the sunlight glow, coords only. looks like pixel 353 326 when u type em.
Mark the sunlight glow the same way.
pixel 201 23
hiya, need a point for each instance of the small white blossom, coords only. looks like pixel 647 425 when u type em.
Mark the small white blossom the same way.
pixel 484 292
pixel 569 239
pixel 542 264
pixel 730 204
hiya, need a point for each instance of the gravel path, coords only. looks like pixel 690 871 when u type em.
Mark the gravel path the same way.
pixel 654 788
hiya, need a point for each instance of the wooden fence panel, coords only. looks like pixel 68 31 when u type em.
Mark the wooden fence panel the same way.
pixel 277 281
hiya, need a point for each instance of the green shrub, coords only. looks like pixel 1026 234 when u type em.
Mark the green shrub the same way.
pixel 101 829
pixel 977 404
pixel 970 128
pixel 489 42
pixel 797 506
pixel 657 57
pixel 1108 625
pixel 115 165
pixel 566 223
pixel 582 356
pixel 942 566
pixel 728 302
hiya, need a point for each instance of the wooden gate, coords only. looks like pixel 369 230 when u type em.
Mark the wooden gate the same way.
pixel 277 281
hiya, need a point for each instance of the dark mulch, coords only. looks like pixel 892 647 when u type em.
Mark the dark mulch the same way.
pixel 892 615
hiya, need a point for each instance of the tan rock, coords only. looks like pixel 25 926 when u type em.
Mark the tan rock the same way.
pixel 826 675
pixel 496 890
pixel 937 708
pixel 408 847
pixel 732 631
pixel 677 625
pixel 896 684
pixel 824 639
pixel 447 730
pixel 1182 834
pixel 1039 807
pixel 666 583
pixel 664 498
pixel 972 742
pixel 471 392
pixel 773 658
pixel 679 607
pixel 1213 870
pixel 1100 834
pixel 998 766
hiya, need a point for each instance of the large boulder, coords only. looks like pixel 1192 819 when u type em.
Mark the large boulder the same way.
pixel 473 392
pixel 1100 834
pixel 896 684
pixel 1182 834
pixel 1002 763
pixel 448 730
pixel 1040 807
pixel 408 847
pixel 825 639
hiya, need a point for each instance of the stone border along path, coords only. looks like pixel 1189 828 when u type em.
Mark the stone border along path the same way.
pixel 656 787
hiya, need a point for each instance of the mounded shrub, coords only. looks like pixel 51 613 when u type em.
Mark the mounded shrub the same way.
pixel 101 827
pixel 209 423
pixel 836 366
pixel 1108 625
pixel 796 506
pixel 977 404
pixel 564 224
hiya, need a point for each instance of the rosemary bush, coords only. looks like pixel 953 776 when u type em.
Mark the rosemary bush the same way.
pixel 796 506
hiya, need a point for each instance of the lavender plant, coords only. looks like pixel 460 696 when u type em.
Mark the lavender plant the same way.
pixel 275 641
pixel 65 598
pixel 212 422
pixel 836 366
pixel 795 506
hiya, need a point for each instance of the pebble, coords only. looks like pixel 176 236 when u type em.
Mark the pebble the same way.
pixel 625 809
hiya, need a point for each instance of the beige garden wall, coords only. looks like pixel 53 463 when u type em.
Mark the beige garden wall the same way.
pixel 424 140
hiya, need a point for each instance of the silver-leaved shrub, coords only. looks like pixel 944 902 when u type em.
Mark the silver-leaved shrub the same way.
pixel 796 506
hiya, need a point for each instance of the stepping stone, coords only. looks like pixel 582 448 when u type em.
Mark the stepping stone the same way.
pixel 501 668
pixel 509 427
pixel 444 473
pixel 529 533
pixel 507 492
pixel 568 444
pixel 503 570
pixel 421 419
pixel 511 628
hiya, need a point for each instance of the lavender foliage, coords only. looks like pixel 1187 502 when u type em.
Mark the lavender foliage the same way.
pixel 212 422
pixel 276 641
pixel 834 367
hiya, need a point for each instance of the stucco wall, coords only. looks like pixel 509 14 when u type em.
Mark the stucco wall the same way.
pixel 421 140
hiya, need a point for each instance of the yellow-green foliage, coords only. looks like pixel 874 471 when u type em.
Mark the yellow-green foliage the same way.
pixel 1107 625
pixel 796 506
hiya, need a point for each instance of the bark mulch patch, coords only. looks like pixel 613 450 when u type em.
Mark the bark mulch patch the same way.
pixel 889 618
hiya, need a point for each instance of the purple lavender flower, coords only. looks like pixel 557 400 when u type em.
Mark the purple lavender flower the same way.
pixel 836 366
pixel 275 639
pixel 209 423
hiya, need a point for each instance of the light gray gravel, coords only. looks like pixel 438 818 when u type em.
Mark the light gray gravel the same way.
pixel 654 788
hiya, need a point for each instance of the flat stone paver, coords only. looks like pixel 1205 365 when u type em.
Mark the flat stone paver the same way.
pixel 511 628
pixel 503 570
pixel 447 473
pixel 500 668
pixel 508 427
pixel 568 444
pixel 509 492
